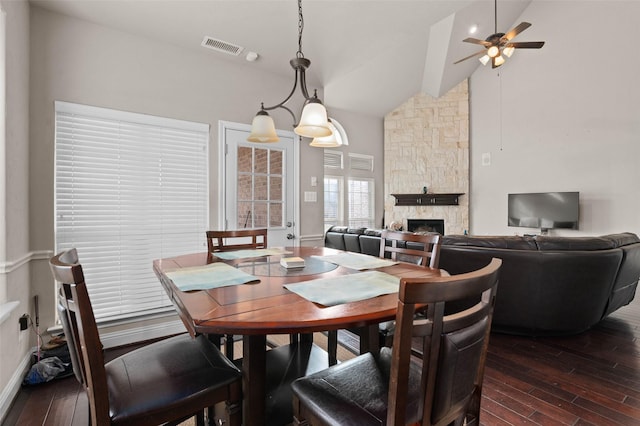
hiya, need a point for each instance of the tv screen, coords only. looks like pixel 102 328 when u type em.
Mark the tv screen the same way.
pixel 545 210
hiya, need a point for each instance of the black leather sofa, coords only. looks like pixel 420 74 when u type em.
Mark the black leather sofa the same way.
pixel 548 285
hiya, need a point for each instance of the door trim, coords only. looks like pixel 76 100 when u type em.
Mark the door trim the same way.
pixel 223 126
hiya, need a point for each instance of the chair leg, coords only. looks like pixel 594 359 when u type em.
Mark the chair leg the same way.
pixel 332 346
pixel 234 413
pixel 233 405
pixel 200 418
pixel 228 346
pixel 298 418
pixel 211 416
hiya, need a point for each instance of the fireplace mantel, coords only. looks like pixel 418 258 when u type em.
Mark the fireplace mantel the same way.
pixel 426 199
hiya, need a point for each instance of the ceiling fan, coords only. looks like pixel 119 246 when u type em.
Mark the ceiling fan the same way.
pixel 499 44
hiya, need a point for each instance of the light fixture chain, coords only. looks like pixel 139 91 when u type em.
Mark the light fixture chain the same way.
pixel 299 54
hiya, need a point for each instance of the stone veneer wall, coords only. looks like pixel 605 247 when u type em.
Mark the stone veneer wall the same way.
pixel 426 143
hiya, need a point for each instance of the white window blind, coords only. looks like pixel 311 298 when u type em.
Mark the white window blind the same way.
pixel 333 159
pixel 333 196
pixel 361 202
pixel 129 188
pixel 361 162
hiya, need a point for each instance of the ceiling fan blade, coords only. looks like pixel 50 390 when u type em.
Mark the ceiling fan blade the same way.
pixel 470 56
pixel 477 41
pixel 526 44
pixel 516 30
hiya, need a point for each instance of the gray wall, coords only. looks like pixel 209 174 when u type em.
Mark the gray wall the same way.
pixel 54 57
pixel 14 201
pixel 563 118
pixel 77 61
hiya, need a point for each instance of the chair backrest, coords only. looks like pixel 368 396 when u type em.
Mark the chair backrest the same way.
pixel 423 248
pixel 72 339
pixel 221 240
pixel 74 298
pixel 454 345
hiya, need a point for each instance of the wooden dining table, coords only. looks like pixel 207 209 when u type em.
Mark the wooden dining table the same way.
pixel 265 307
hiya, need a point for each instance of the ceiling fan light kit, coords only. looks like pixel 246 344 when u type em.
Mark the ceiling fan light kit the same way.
pixel 313 123
pixel 499 45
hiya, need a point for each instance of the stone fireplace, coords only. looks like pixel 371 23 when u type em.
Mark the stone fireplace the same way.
pixel 426 144
pixel 426 225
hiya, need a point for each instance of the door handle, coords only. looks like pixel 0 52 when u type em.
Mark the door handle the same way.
pixel 290 236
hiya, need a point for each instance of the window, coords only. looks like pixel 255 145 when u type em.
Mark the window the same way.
pixel 361 202
pixel 260 191
pixel 129 188
pixel 333 159
pixel 333 194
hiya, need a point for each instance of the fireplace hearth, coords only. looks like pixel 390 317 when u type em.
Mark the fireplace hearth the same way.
pixel 426 225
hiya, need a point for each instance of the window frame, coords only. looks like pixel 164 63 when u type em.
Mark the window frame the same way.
pixel 166 217
pixel 368 220
pixel 339 219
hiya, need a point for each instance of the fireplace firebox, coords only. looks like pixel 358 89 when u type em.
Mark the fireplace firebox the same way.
pixel 426 225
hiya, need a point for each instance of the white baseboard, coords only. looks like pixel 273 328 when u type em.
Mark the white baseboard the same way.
pixel 142 333
pixel 12 388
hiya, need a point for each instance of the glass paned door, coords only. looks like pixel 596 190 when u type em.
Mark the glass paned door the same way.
pixel 259 185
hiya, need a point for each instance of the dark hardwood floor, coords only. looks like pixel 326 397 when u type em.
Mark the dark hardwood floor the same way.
pixel 589 379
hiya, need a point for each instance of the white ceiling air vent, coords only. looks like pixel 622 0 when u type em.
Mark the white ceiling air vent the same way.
pixel 221 46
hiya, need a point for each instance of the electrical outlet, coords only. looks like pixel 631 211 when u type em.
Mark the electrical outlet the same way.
pixel 24 322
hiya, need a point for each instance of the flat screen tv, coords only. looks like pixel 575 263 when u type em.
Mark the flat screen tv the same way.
pixel 545 210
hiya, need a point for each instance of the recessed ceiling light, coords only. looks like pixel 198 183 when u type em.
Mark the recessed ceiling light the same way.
pixel 473 29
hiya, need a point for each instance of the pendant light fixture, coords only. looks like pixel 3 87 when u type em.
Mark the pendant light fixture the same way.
pixel 313 121
pixel 336 139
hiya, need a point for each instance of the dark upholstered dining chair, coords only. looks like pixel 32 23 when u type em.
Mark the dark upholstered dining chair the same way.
pixel 422 249
pixel 229 240
pixel 163 382
pixel 393 388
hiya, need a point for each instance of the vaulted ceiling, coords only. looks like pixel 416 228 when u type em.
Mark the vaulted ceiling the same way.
pixel 369 55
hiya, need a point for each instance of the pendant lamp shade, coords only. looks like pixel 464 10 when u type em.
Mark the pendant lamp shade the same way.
pixel 263 130
pixel 313 123
pixel 332 141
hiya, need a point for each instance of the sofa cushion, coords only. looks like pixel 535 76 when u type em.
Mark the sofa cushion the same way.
pixel 546 243
pixel 496 242
pixel 622 239
pixel 373 232
pixel 352 239
pixel 340 229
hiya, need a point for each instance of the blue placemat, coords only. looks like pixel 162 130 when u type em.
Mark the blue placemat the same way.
pixel 357 261
pixel 346 288
pixel 207 277
pixel 249 253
